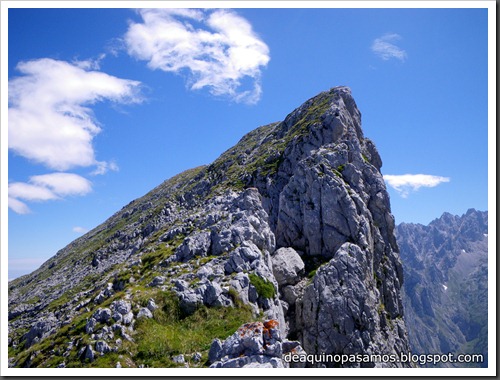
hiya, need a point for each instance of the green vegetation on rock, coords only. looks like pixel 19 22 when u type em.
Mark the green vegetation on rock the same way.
pixel 168 334
pixel 264 287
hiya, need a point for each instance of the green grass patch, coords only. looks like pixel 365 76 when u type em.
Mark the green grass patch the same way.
pixel 33 300
pixel 88 282
pixel 161 252
pixel 122 278
pixel 264 287
pixel 381 309
pixel 235 297
pixel 312 273
pixel 169 334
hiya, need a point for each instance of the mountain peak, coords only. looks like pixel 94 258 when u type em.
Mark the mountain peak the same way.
pixel 273 229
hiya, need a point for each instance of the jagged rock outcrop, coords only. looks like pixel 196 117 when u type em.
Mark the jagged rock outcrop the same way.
pixel 292 224
pixel 446 284
pixel 256 344
pixel 340 311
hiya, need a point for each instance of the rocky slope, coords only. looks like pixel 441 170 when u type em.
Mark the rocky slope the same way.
pixel 288 234
pixel 446 284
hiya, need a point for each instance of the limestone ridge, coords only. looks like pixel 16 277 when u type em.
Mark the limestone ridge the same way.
pixel 446 284
pixel 293 224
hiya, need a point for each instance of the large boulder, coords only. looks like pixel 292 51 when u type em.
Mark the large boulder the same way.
pixel 121 306
pixel 102 315
pixel 194 245
pixel 144 312
pixel 102 347
pixel 287 266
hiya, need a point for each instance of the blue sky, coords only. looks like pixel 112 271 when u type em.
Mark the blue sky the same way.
pixel 105 104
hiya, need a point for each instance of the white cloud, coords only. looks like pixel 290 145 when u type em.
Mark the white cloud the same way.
pixel 80 230
pixel 103 167
pixel 18 207
pixel 63 184
pixel 30 192
pixel 50 120
pixel 219 53
pixel 90 64
pixel 46 187
pixel 406 183
pixel 385 48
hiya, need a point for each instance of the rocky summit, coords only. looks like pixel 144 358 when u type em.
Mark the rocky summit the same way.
pixel 285 244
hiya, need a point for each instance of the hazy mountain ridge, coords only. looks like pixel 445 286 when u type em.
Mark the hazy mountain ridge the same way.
pixel 291 227
pixel 446 283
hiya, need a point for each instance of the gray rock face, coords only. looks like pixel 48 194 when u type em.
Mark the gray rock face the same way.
pixel 242 241
pixel 144 313
pixel 192 246
pixel 255 344
pixel 335 209
pixel 342 302
pixel 293 223
pixel 151 305
pixel 102 315
pixel 128 318
pixel 88 354
pixel 158 280
pixel 291 293
pixel 102 347
pixel 287 266
pixel 446 277
pixel 241 258
pixel 40 330
pixel 197 357
pixel 121 306
pixel 90 326
pixel 216 351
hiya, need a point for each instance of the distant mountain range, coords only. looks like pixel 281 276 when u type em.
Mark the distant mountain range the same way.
pixel 446 284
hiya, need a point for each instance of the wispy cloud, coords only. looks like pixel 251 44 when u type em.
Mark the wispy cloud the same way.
pixel 91 63
pixel 386 49
pixel 218 49
pixel 50 120
pixel 46 187
pixel 406 183
pixel 103 167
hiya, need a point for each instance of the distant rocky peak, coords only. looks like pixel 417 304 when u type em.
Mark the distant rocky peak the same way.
pixel 472 225
pixel 446 283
